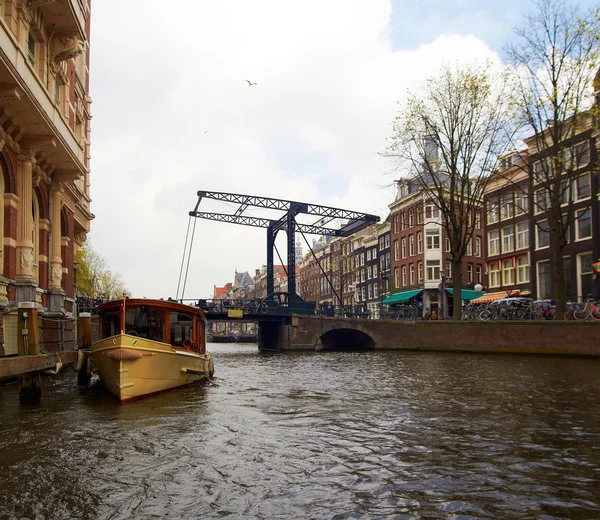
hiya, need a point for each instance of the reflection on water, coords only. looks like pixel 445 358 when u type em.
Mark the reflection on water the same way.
pixel 315 435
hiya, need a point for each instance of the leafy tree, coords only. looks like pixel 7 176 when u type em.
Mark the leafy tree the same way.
pixel 555 56
pixel 94 279
pixel 446 141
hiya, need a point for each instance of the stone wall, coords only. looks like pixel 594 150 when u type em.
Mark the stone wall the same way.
pixel 518 337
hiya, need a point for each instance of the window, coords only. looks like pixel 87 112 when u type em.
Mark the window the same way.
pixel 521 203
pixel 411 245
pixel 565 192
pixel 404 248
pixel 470 247
pixel 370 292
pixel 404 276
pixel 494 272
pixel 508 272
pixel 522 235
pixel 362 259
pixel 508 207
pixel 362 275
pixel 493 215
pixel 369 273
pixel 542 201
pixel 375 291
pixel 419 243
pixel 478 274
pixel 543 234
pixel 31 47
pixel 469 273
pixel 368 255
pixel 433 239
pixel 508 239
pixel 395 220
pixel 381 243
pixel 181 328
pixel 403 221
pixel 396 277
pixel 584 224
pixel 448 248
pixel 412 274
pixel 542 170
pixel 396 252
pixel 411 218
pixel 494 242
pixel 478 247
pixel 582 154
pixel 374 253
pixel 522 269
pixel 433 270
pixel 387 241
pixel 362 293
pixel 583 186
pixel 375 271
pixel 543 280
pixel 586 275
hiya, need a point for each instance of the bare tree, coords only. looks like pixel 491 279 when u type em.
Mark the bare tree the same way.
pixel 448 140
pixel 555 56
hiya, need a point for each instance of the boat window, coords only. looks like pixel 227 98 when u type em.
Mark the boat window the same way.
pixel 145 322
pixel 111 321
pixel 181 328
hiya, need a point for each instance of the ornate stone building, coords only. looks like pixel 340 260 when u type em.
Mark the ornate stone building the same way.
pixel 44 158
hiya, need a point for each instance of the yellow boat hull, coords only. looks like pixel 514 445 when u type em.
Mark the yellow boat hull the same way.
pixel 131 367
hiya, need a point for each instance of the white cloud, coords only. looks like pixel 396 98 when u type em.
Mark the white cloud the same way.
pixel 328 86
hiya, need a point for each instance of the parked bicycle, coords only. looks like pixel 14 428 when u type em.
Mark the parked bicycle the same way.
pixel 586 311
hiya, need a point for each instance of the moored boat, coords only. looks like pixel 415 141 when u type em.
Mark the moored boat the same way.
pixel 149 346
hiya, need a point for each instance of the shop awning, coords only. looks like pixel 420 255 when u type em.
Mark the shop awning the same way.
pixel 493 296
pixel 467 294
pixel 401 296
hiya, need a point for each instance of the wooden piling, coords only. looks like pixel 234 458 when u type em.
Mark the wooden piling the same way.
pixel 28 341
pixel 84 342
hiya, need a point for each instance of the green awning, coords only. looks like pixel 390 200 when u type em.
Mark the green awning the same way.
pixel 467 294
pixel 401 296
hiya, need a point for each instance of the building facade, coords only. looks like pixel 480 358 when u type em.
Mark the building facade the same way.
pixel 44 158
pixel 421 251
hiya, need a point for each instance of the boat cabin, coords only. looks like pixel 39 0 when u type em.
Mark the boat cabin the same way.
pixel 157 320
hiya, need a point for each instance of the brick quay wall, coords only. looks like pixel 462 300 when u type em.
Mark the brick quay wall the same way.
pixel 564 338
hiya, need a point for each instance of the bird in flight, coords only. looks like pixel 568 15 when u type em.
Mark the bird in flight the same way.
pixel 206 132
pixel 250 83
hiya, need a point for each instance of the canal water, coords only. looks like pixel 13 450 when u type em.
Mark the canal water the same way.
pixel 332 435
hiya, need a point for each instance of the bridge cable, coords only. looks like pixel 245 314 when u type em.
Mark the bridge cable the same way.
pixel 183 257
pixel 322 270
pixel 189 258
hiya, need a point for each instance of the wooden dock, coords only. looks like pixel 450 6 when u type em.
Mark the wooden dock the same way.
pixel 14 366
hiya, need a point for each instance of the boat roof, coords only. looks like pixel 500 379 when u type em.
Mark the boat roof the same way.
pixel 148 302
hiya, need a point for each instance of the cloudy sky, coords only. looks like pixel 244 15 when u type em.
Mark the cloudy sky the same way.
pixel 173 114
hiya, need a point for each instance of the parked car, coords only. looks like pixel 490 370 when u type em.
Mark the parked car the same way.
pixel 513 302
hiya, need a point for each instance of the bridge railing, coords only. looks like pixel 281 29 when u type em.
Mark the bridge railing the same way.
pixel 256 307
pixel 384 312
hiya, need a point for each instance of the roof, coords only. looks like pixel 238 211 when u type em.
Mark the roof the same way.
pixel 493 296
pixel 220 291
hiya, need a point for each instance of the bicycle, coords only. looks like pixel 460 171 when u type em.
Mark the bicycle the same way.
pixel 589 310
